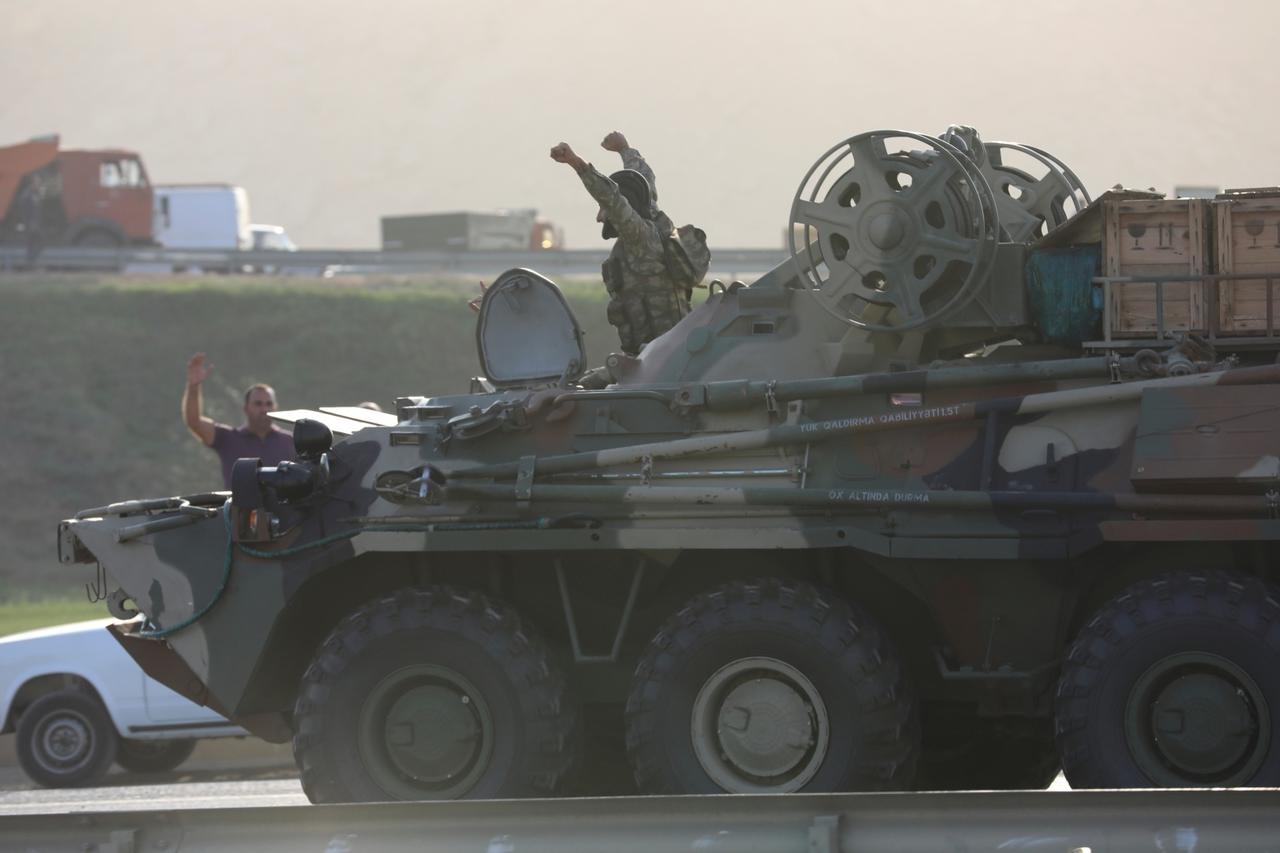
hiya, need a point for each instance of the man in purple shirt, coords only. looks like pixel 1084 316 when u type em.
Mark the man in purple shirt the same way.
pixel 259 437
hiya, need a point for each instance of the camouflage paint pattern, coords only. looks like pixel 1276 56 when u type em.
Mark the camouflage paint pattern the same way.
pixel 983 509
pixel 1024 469
pixel 634 160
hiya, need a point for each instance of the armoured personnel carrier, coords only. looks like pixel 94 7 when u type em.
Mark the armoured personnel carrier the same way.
pixel 901 513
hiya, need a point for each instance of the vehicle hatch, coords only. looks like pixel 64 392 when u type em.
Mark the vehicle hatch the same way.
pixel 526 333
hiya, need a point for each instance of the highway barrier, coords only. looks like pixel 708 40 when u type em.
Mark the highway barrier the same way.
pixel 726 263
pixel 1168 821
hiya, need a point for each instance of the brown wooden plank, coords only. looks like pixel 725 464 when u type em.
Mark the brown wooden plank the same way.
pixel 1164 237
pixel 1247 230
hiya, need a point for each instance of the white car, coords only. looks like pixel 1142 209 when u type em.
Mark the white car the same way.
pixel 273 238
pixel 78 702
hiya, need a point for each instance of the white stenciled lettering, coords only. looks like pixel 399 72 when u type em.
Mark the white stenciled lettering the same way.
pixel 836 425
pixel 872 496
pixel 899 417
pixel 907 415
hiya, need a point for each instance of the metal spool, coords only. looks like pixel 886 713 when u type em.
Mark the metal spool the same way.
pixel 1077 185
pixel 1031 207
pixel 893 238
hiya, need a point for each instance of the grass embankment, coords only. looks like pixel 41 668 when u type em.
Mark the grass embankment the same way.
pixel 92 371
pixel 24 614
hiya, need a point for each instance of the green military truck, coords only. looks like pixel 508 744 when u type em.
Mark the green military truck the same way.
pixel 517 230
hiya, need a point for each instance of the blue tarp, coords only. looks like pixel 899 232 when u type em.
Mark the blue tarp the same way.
pixel 1065 305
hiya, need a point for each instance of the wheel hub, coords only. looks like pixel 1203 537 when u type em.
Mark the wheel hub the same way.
pixel 65 739
pixel 425 731
pixel 1197 718
pixel 65 743
pixel 432 733
pixel 765 727
pixel 1203 722
pixel 759 725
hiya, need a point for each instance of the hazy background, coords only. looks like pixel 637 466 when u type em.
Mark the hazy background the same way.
pixel 332 114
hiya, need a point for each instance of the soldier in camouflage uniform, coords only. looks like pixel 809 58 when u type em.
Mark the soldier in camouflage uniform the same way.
pixel 644 301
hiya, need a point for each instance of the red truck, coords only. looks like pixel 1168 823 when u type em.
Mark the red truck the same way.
pixel 78 198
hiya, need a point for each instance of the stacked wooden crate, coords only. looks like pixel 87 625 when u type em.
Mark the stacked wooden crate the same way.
pixel 1155 237
pixel 1248 241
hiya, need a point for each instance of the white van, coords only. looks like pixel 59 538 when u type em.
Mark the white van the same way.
pixel 202 216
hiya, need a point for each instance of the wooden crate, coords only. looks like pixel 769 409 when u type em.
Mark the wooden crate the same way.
pixel 1164 237
pixel 1247 224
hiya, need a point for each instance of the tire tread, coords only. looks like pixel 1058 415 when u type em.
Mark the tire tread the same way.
pixel 1240 601
pixel 470 614
pixel 835 626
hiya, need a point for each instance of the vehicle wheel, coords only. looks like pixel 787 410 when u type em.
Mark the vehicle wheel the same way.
pixel 66 740
pixel 433 694
pixel 994 756
pixel 771 686
pixel 97 238
pixel 153 756
pixel 1175 684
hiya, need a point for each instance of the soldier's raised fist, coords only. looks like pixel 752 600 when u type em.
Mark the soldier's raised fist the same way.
pixel 615 141
pixel 562 153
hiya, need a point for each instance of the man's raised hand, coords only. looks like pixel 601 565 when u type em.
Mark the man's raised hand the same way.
pixel 197 370
pixel 615 141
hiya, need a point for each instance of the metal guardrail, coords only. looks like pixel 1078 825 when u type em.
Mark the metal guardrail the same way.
pixel 1209 285
pixel 1171 821
pixel 725 262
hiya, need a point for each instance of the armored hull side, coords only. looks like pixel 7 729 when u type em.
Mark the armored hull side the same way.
pixel 872 522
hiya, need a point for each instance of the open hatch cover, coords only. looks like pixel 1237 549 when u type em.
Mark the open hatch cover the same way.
pixel 527 333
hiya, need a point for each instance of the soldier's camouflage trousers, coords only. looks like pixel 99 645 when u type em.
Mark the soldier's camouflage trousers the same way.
pixel 642 312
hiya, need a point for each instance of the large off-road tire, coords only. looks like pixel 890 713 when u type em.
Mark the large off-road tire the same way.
pixel 66 740
pixel 771 686
pixel 433 694
pixel 153 756
pixel 992 755
pixel 1175 683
